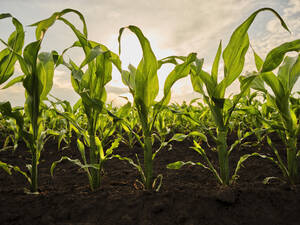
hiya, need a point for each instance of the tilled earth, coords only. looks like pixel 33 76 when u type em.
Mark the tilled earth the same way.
pixel 189 196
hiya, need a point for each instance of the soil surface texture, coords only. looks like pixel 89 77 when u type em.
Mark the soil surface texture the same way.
pixel 189 196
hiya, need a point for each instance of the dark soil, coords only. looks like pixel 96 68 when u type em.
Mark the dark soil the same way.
pixel 189 196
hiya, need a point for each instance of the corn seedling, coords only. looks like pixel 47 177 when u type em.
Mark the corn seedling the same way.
pixel 282 85
pixel 90 85
pixel 222 108
pixel 143 85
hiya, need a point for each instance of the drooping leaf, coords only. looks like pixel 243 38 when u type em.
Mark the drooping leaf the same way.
pixel 75 162
pixel 8 56
pixel 180 71
pixel 14 81
pixel 275 56
pixel 146 80
pixel 234 53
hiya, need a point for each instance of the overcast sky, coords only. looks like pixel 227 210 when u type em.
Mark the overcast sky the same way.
pixel 174 27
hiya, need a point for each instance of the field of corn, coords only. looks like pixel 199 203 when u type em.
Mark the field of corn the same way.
pixel 216 160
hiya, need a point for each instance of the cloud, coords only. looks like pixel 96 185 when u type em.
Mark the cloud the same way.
pixel 14 94
pixel 277 35
pixel 116 90
pixel 175 27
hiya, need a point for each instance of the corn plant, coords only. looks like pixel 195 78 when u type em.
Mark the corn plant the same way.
pixel 90 85
pixel 10 130
pixel 128 129
pixel 143 85
pixel 282 85
pixel 38 69
pixel 15 42
pixel 58 125
pixel 7 62
pixel 246 118
pixel 189 118
pixel 295 103
pixel 162 130
pixel 222 108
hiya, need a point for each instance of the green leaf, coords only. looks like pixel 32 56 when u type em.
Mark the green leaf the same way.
pixel 196 80
pixel 131 162
pixel 128 78
pixel 198 134
pixel 219 91
pixel 75 162
pixel 180 71
pixel 8 56
pixel 94 52
pixel 215 67
pixel 45 70
pixel 178 137
pixel 8 168
pixel 146 80
pixel 275 56
pixel 240 163
pixel 113 146
pixel 269 77
pixel 279 163
pixel 6 110
pixel 208 81
pixel 234 53
pixel 288 73
pixel 14 81
pixel 294 73
pixel 274 83
pixel 124 110
pixel 177 165
pixel 43 25
pixel 81 149
pixel 82 37
pixel 258 84
pixel 91 103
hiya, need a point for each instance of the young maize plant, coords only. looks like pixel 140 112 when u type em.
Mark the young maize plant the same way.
pixel 90 85
pixel 282 85
pixel 38 69
pixel 7 63
pixel 246 116
pixel 221 108
pixel 58 125
pixel 143 85
pixel 128 133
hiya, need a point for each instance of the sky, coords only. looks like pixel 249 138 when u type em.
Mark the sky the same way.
pixel 173 27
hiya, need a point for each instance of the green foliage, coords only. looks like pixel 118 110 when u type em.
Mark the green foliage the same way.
pixel 234 58
pixel 14 44
pixel 99 128
pixel 143 85
pixel 282 85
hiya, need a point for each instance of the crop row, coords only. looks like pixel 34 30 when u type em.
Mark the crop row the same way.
pixel 99 128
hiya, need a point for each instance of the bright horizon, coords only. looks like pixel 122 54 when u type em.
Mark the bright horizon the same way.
pixel 173 27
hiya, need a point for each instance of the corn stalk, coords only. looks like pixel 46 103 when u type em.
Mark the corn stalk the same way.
pixel 143 85
pixel 282 85
pixel 234 58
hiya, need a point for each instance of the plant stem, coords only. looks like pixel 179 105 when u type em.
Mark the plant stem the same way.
pixel 291 139
pixel 34 171
pixel 93 160
pixel 148 162
pixel 223 156
pixel 292 159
